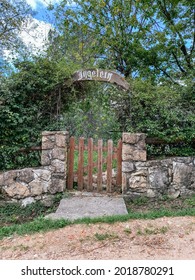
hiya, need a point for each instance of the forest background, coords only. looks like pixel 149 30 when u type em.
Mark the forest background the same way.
pixel 150 43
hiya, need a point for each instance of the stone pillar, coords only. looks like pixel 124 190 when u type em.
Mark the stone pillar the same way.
pixel 54 157
pixel 133 150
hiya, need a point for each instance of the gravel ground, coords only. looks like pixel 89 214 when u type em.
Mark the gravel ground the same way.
pixel 163 238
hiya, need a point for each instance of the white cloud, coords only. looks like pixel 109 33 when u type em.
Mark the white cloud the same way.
pixel 35 3
pixel 34 35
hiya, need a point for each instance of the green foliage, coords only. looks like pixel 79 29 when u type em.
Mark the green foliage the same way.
pixel 146 43
pixel 14 213
pixel 28 105
pixel 163 111
pixel 12 15
pixel 191 201
pixel 93 115
pixel 134 37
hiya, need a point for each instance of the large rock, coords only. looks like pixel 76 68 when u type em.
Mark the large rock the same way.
pixel 132 138
pixel 131 153
pixel 159 178
pixel 61 139
pixel 43 174
pixel 17 190
pixel 9 177
pixel 58 153
pixel 46 157
pixel 25 175
pixel 57 185
pixel 36 187
pixel 59 165
pixel 139 181
pixel 48 139
pixel 182 174
pixel 128 166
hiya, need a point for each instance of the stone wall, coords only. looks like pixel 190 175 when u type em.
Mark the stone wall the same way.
pixel 172 177
pixel 155 178
pixel 30 184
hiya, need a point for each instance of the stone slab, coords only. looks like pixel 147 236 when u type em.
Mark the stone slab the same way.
pixel 80 207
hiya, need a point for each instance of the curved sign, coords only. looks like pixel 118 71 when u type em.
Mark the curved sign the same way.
pixel 101 75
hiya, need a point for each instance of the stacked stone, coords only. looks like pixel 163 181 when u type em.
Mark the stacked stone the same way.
pixel 30 184
pixel 155 178
pixel 133 150
pixel 172 177
pixel 54 157
pixel 26 185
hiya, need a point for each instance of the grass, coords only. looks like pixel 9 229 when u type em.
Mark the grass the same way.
pixel 152 230
pixel 19 220
pixel 95 159
pixel 104 236
pixel 13 213
pixel 169 205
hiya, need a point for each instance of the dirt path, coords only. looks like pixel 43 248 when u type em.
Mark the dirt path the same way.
pixel 163 238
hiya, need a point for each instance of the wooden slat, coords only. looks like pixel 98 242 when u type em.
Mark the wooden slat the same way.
pixel 90 165
pixel 99 175
pixel 119 164
pixel 71 164
pixel 112 153
pixel 80 163
pixel 109 166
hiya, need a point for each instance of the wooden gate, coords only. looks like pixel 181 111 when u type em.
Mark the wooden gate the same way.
pixel 94 167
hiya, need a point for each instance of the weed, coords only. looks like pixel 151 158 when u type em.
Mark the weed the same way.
pixel 166 198
pixel 103 236
pixel 152 230
pixel 191 201
pixel 127 230
pixel 163 229
pixel 4 248
pixel 139 231
pixel 21 247
pixel 142 200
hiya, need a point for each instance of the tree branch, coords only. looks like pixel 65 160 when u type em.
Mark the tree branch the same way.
pixel 178 64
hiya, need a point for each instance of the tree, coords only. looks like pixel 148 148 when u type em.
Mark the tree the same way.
pixel 172 37
pixel 12 15
pixel 30 101
pixel 136 37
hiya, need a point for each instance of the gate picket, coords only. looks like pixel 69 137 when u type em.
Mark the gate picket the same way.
pixel 112 153
pixel 99 178
pixel 81 164
pixel 90 165
pixel 119 164
pixel 71 164
pixel 109 165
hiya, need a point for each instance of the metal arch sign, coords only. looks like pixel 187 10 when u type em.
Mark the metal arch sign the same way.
pixel 100 75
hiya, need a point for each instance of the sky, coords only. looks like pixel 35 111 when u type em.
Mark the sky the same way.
pixel 36 3
pixel 34 33
pixel 40 8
